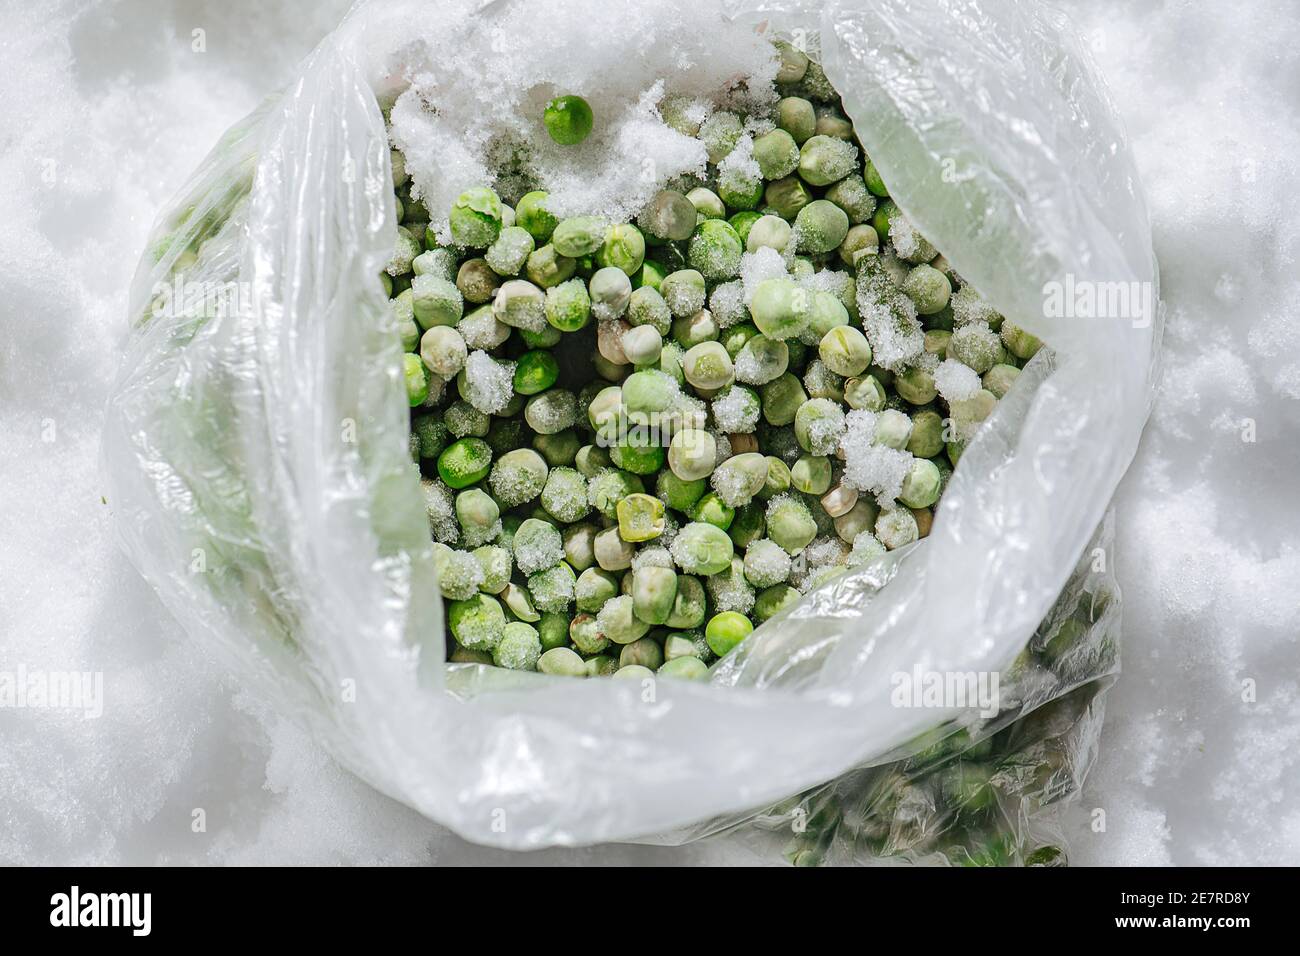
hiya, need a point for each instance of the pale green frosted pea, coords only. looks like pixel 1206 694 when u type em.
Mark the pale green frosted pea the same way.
pixel 579 545
pixel 681 645
pixel 790 524
pixel 477 281
pixel 860 240
pixel 595 586
pixel 701 548
pixel 601 665
pixel 551 411
pixel 926 440
pixel 684 668
pixel 916 386
pixel 646 652
pixel 771 601
pixel 565 495
pixel 579 236
pixel 584 631
pixel 606 489
pixel 612 551
pixel 654 592
pixel 776 153
pixel 618 623
pixel 691 330
pixel 510 251
pixel 708 366
pixel 761 360
pixel 567 308
pixel 1023 345
pixel 797 117
pixel 562 662
pixel 769 232
pixel 811 474
pixel 818 426
pixel 476 218
pixel 896 527
pixel 610 291
pixel 684 291
pixel 738 479
pixel 999 379
pixel 820 226
pixel 436 262
pixel 861 517
pixel 690 603
pixel 443 351
pixel 864 393
pixel 518 476
pixel 475 510
pixel 603 412
pixel 787 196
pixel 476 622
pixel 670 215
pixel 921 484
pixel 928 288
pixel 780 308
pixel 893 428
pixel 845 351
pixel 634 672
pixel 707 205
pixel 519 647
pixel 623 249
pixel 851 195
pixel 497 565
pixel 782 399
pixel 647 307
pixel 715 250
pixel 436 301
pixel 826 159
pixel 520 603
pixel 793 62
pixel 827 312
pixel 547 268
pixel 692 454
pixel 643 345
pixel 643 393
pixel 520 305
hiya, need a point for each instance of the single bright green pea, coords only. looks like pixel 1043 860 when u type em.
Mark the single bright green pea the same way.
pixel 684 668
pixel 535 372
pixel 711 509
pixel 780 308
pixel 720 132
pixel 782 398
pixel 464 462
pixel 518 648
pixel 650 274
pixel 845 351
pixel 916 386
pixel 776 153
pixel 811 474
pixel 771 601
pixel 640 518
pixel 568 119
pixel 531 214
pixel 821 226
pixel 623 249
pixel 787 196
pixel 921 484
pixel 692 454
pixel 417 379
pixel 740 189
pixel 874 182
pixel 884 215
pixel 546 267
pixel 517 477
pixel 654 592
pixel 476 622
pixel 797 117
pixel 618 623
pixel 825 159
pixel 638 458
pixel 670 215
pixel 561 662
pixel 708 366
pixel 715 250
pixel 701 548
pixel 748 525
pixel 926 439
pixel 790 524
pixel 678 494
pixel 726 630
pixel 476 218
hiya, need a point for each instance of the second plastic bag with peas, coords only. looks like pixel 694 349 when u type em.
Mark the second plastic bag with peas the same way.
pixel 256 448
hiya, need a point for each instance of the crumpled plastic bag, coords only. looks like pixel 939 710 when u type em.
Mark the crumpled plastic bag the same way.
pixel 256 453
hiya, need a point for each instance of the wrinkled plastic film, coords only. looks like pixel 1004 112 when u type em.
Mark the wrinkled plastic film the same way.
pixel 272 440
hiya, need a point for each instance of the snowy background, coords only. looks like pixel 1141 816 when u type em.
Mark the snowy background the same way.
pixel 106 108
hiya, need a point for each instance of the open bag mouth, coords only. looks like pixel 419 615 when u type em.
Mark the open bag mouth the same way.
pixel 288 442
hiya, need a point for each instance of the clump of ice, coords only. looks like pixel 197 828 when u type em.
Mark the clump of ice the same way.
pixel 489 383
pixel 956 382
pixel 461 124
pixel 652 556
pixel 969 306
pixel 727 303
pixel 825 552
pixel 889 321
pixel 870 467
pixel 440 505
pixel 736 410
pixel 756 267
pixel 766 563
pixel 739 172
pixel 480 329
pixel 541 550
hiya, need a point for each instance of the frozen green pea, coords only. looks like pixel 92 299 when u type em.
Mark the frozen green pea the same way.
pixel 518 477
pixel 873 180
pixel 782 399
pixel 551 411
pixel 776 153
pixel 436 301
pixel 825 159
pixel 1023 345
pixel 692 454
pixel 896 527
pixel 701 548
pixel 518 648
pixel 476 281
pixel 825 312
pixel 845 350
pixel 743 222
pixel 459 573
pixel 639 457
pixel 476 218
pixel 547 268
pixel 497 564
pixel 772 601
pixel 564 496
pixel 792 63
pixel 552 588
pixel 612 551
pixel 811 474
pixel 726 630
pixel 715 250
pixel 678 494
pixel 617 622
pixel 432 434
pixel 707 203
pixel 708 366
pixel 926 439
pixel 683 291
pixel 476 511
pixel 740 188
pixel 464 462
pixel 533 215
pixel 654 592
pixel 928 288
pixel 560 448
pixel 595 586
pixel 537 546
pixel 916 386
pixel 508 254
pixel 568 119
pixel 820 226
pixel 689 605
pixel 861 240
pixel 591 460
pixel 973 410
pixel 584 631
pixel 766 564
pixel 644 652
pixel 643 345
pixel 606 489
pixel 520 305
pixel 634 672
pixel 778 478
pixel 623 249
pixel 416 377
pixel 640 518
pixel 999 379
pixel 858 519
pixel 761 360
pixel 579 545
pixel 691 330
pixel 851 195
pixel 893 428
pixel 647 307
pixel 738 479
pixel 405 249
pixel 651 273
pixel 561 662
pixel 669 215
pixel 684 668
pixel 864 393
pixel 797 117
pixel 476 622
pixel 535 371
pixel 936 342
pixel 787 196
pixel 920 485
pixel 711 509
pixel 769 232
pixel 748 525
pixel 780 308
pixel 443 351
pixel 790 524
pixel 719 133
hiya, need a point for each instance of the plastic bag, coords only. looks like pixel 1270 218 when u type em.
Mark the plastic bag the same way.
pixel 256 450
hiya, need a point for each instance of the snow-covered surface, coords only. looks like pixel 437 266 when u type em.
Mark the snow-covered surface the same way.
pixel 108 109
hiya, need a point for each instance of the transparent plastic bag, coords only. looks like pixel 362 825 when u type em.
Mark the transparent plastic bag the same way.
pixel 256 449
